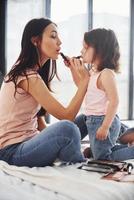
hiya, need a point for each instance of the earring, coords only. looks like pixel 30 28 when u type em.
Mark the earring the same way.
pixel 35 44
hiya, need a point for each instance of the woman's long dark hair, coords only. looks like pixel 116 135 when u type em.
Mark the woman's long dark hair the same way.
pixel 44 72
pixel 106 47
pixel 28 57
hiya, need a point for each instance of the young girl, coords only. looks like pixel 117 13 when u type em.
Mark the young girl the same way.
pixel 101 52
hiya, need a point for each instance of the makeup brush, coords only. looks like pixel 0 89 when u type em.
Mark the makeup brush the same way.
pixel 65 58
pixel 78 57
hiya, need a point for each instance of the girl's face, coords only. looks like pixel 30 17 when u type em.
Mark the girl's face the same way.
pixel 49 46
pixel 87 53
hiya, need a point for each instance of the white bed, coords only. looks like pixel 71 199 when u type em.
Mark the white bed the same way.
pixel 59 183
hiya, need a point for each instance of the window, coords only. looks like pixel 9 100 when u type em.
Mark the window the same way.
pixel 72 21
pixel 115 15
pixel 19 12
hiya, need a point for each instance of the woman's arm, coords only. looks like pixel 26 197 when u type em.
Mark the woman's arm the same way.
pixel 38 89
pixel 108 84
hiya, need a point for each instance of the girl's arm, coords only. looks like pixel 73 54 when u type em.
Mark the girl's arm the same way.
pixel 108 84
pixel 38 89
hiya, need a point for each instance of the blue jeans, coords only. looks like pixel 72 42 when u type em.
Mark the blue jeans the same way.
pixel 102 149
pixel 60 140
pixel 119 152
pixel 80 121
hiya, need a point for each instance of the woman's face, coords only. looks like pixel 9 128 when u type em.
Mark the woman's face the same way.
pixel 87 53
pixel 49 46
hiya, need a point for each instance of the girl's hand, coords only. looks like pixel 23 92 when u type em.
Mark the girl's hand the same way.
pixel 79 72
pixel 102 133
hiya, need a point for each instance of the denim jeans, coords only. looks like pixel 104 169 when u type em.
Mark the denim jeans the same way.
pixel 102 149
pixel 60 140
pixel 80 121
pixel 119 152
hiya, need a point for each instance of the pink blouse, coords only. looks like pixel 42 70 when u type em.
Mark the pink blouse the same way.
pixel 18 114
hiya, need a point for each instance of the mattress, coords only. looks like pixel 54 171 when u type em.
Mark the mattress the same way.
pixel 65 182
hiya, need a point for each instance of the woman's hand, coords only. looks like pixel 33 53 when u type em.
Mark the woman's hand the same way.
pixel 79 72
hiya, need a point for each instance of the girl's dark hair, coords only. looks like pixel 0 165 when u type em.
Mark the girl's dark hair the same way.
pixel 106 47
pixel 28 57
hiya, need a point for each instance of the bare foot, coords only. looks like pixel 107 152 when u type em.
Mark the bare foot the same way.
pixel 127 137
pixel 87 152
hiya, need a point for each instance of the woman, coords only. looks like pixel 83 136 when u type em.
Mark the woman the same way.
pixel 24 140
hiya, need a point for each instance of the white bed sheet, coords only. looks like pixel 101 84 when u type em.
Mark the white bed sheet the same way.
pixel 59 183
